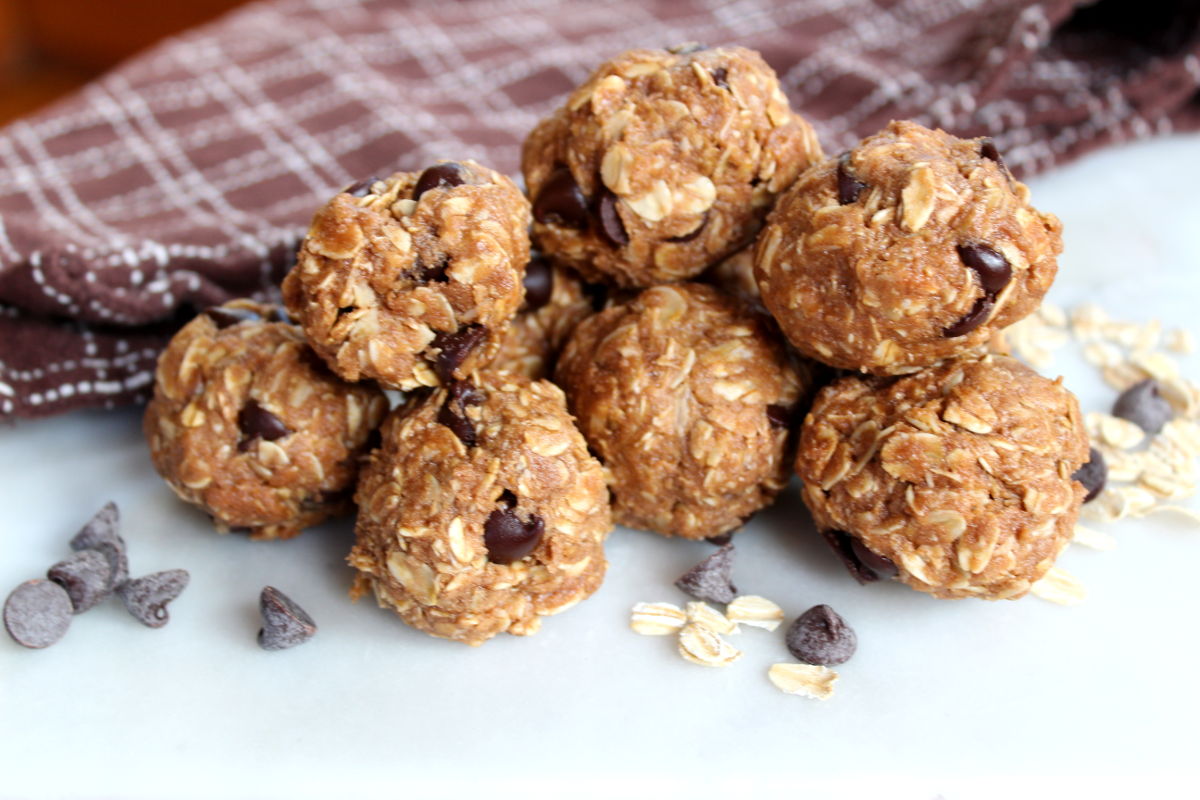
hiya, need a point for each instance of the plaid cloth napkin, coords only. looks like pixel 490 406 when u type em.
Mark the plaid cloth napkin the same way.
pixel 187 176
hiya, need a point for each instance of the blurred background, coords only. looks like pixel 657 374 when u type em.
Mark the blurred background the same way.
pixel 49 47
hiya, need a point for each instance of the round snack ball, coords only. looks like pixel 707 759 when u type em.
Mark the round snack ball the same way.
pixel 555 302
pixel 662 163
pixel 907 250
pixel 410 280
pixel 960 476
pixel 482 511
pixel 687 401
pixel 250 426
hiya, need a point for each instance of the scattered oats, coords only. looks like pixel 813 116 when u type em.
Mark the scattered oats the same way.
pixel 1180 340
pixel 1168 486
pixel 1123 467
pixel 806 680
pixel 755 611
pixel 1190 513
pixel 706 616
pixel 1183 396
pixel 1184 433
pixel 1052 315
pixel 1059 586
pixel 1097 540
pixel 1123 333
pixel 1116 503
pixel 1113 431
pixel 1148 336
pixel 701 646
pixel 657 619
pixel 1102 354
pixel 1086 321
pixel 1122 376
pixel 1156 365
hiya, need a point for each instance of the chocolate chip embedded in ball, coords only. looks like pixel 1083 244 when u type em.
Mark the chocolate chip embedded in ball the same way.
pixel 539 283
pixel 612 229
pixel 255 422
pixel 362 188
pixel 453 413
pixel 509 538
pixel 224 317
pixel 990 265
pixel 1144 406
pixel 1092 475
pixel 820 636
pixel 440 176
pixel 37 613
pixel 454 348
pixel 561 202
pixel 848 186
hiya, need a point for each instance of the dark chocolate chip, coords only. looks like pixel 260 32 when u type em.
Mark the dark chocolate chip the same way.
pixel 692 234
pixel 992 267
pixel 362 188
pixel 146 598
pixel 86 575
pixel 37 613
pixel 453 413
pixel 987 149
pixel 720 540
pixel 560 201
pixel 612 229
pixel 1092 475
pixel 821 636
pixel 598 293
pixel 842 545
pixel 431 273
pixel 256 422
pixel 711 578
pixel 285 624
pixel 848 186
pixel 455 347
pixel 881 566
pixel 100 533
pixel 1144 406
pixel 440 176
pixel 779 416
pixel 720 76
pixel 686 48
pixel 506 536
pixel 224 317
pixel 972 320
pixel 539 282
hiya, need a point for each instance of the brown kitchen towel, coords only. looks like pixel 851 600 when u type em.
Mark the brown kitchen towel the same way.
pixel 186 176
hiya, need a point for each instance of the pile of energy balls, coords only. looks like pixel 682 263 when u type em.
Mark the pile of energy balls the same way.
pixel 701 269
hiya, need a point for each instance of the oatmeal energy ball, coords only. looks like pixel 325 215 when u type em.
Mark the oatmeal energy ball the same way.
pixel 482 512
pixel 410 280
pixel 909 249
pixel 663 162
pixel 958 477
pixel 250 426
pixel 555 302
pixel 687 401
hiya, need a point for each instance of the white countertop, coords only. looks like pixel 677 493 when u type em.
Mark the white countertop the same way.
pixel 939 695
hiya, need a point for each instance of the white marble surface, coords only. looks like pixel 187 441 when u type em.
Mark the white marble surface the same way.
pixel 961 699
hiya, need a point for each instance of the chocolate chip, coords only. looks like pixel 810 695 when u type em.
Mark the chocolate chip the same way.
pixel 285 624
pixel 848 186
pixel 224 317
pixel 1144 406
pixel 987 149
pixel 711 578
pixel 440 176
pixel 972 320
pixel 821 636
pixel 453 413
pixel 1092 475
pixel 686 48
pixel 431 273
pixel 362 188
pixel 539 282
pixel 598 293
pixel 560 201
pixel 506 536
pixel 612 229
pixel 881 566
pixel 455 347
pixel 842 545
pixel 991 266
pixel 692 234
pixel 100 533
pixel 87 576
pixel 256 422
pixel 37 613
pixel 719 76
pixel 779 416
pixel 720 540
pixel 146 598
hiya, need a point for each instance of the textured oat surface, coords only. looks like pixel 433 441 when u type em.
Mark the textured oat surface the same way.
pixel 530 343
pixel 687 149
pixel 380 276
pixel 425 498
pixel 960 474
pixel 673 391
pixel 860 261
pixel 208 376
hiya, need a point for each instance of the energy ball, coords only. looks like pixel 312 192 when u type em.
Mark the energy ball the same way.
pixel 907 250
pixel 555 302
pixel 959 477
pixel 482 512
pixel 249 425
pixel 662 163
pixel 687 400
pixel 411 280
